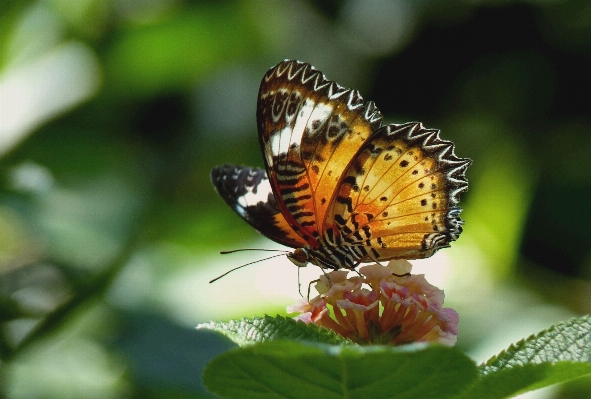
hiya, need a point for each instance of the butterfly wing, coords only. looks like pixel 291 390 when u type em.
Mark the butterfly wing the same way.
pixel 248 192
pixel 398 197
pixel 309 130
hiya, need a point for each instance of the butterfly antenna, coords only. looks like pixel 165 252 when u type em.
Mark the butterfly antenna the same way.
pixel 241 266
pixel 254 249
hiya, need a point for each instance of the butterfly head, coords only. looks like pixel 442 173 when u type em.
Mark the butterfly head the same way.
pixel 299 257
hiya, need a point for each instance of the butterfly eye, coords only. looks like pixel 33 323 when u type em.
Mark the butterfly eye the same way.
pixel 299 257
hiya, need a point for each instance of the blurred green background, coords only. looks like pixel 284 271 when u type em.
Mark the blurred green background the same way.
pixel 112 113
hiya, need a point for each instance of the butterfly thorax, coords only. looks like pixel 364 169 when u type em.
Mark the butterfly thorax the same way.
pixel 322 257
pixel 302 256
pixel 328 254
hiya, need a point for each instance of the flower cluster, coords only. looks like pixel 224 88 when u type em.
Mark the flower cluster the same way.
pixel 384 305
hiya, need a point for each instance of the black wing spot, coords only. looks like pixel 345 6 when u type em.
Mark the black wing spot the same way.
pixel 421 185
pixel 346 201
pixel 423 202
pixel 339 219
pixel 350 180
pixel 333 132
pixel 404 163
pixel 293 104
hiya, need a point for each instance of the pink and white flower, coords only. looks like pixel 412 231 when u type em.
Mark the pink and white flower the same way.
pixel 385 305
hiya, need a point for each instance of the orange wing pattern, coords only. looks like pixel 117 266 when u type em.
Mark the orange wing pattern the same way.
pixel 398 198
pixel 309 129
pixel 340 187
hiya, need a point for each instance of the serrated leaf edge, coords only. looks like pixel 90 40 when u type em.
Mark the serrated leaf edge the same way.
pixel 324 335
pixel 519 345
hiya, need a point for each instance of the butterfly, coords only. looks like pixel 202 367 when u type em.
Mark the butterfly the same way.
pixel 339 186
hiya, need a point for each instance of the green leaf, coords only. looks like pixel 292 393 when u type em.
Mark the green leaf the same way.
pixel 558 354
pixel 285 369
pixel 519 379
pixel 570 340
pixel 261 329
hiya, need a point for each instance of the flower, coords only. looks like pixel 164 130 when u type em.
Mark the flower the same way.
pixel 384 305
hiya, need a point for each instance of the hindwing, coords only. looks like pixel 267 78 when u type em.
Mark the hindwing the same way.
pixel 248 192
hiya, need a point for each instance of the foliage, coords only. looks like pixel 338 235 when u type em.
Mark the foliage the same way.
pixel 261 329
pixel 269 366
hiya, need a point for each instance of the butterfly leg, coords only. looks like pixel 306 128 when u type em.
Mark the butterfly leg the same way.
pixel 312 282
pixel 310 287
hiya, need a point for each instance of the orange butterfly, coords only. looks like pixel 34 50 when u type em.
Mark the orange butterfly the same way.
pixel 340 187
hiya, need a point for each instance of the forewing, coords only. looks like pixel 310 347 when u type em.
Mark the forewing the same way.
pixel 248 192
pixel 309 129
pixel 398 199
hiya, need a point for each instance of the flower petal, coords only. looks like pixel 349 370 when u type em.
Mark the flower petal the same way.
pixel 411 309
